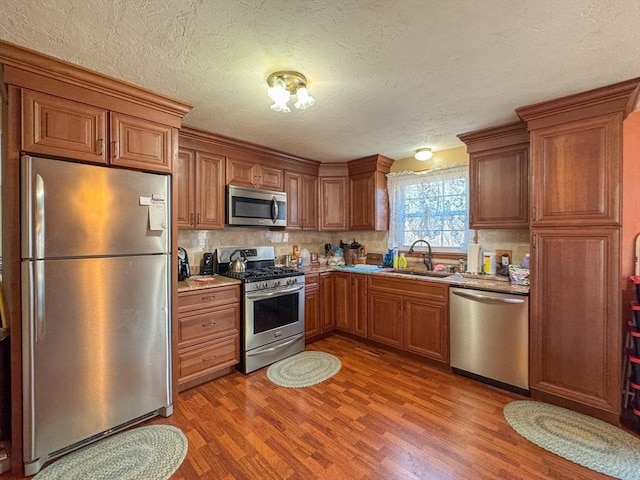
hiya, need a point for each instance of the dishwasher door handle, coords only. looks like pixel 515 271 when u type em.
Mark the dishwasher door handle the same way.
pixel 487 298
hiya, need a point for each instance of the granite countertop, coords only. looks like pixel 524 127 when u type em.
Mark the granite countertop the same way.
pixel 197 282
pixel 492 283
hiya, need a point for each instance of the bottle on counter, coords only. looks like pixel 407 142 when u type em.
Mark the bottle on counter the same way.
pixel 402 261
pixel 395 257
pixel 526 261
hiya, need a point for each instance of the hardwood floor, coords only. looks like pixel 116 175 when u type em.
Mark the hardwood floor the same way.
pixel 381 417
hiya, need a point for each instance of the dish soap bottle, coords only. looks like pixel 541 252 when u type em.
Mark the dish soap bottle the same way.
pixel 402 261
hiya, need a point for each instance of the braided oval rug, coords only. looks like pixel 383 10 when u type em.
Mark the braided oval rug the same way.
pixel 304 369
pixel 579 438
pixel 152 452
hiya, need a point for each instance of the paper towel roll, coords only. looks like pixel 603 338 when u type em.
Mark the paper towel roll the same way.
pixel 474 258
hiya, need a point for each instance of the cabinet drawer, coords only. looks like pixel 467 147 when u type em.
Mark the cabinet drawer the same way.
pixel 207 358
pixel 208 297
pixel 209 325
pixel 420 288
pixel 311 279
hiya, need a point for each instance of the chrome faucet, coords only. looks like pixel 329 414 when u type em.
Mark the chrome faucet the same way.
pixel 428 261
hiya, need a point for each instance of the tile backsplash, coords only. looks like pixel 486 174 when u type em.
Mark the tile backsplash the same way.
pixel 196 242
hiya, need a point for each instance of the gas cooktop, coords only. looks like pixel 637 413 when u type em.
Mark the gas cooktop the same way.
pixel 264 273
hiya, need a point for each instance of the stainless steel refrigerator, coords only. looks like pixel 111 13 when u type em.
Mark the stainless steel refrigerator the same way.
pixel 96 303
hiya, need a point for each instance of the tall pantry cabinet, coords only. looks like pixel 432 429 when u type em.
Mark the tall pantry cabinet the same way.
pixel 577 271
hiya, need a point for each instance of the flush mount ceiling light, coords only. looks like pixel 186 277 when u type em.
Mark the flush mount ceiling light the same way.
pixel 423 154
pixel 284 84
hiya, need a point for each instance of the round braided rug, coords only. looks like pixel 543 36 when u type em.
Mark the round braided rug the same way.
pixel 579 438
pixel 304 369
pixel 144 453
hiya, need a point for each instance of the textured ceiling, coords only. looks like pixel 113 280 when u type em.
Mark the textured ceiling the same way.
pixel 389 76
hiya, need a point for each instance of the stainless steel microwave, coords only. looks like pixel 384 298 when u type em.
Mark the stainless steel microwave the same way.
pixel 255 207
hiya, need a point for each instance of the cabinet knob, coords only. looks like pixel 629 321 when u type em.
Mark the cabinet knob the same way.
pixel 209 325
pixel 99 146
pixel 212 297
pixel 207 359
pixel 114 149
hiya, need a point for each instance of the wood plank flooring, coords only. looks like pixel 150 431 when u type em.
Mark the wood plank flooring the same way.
pixel 381 417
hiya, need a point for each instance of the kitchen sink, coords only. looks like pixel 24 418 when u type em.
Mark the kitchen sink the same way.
pixel 422 273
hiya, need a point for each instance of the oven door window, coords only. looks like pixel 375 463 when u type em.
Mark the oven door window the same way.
pixel 275 312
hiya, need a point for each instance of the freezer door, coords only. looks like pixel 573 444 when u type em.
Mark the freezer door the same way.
pixel 76 210
pixel 96 347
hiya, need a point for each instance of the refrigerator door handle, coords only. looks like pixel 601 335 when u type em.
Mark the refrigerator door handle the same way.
pixel 39 219
pixel 38 299
pixel 32 211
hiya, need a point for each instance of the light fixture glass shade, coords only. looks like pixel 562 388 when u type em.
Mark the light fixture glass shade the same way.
pixel 423 154
pixel 304 99
pixel 280 96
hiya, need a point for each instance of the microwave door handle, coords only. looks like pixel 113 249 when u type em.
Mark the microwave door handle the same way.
pixel 274 209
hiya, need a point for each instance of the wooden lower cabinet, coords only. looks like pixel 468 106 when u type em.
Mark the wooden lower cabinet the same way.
pixel 417 322
pixel 385 318
pixel 576 331
pixel 350 305
pixel 426 328
pixel 312 327
pixel 208 333
pixel 327 298
pixel 359 302
pixel 342 301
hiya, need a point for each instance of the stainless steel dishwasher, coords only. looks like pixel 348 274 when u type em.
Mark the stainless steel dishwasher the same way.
pixel 489 335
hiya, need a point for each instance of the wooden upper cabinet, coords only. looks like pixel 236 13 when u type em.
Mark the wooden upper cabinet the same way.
pixel 368 197
pixel 64 128
pixel 140 143
pixel 576 172
pixel 498 176
pixel 200 177
pixel 74 130
pixel 333 201
pixel 254 175
pixel 302 201
pixel 186 186
pixel 210 190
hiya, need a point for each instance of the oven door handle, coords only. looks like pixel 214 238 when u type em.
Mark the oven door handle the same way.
pixel 277 347
pixel 260 294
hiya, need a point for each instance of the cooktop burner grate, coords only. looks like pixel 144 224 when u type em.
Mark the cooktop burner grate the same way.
pixel 265 273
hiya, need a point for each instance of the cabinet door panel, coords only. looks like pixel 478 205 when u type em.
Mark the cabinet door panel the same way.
pixel 210 190
pixel 499 188
pixel 385 318
pixel 270 178
pixel 327 318
pixel 576 172
pixel 139 143
pixel 312 311
pixel 341 284
pixel 309 197
pixel 426 329
pixel 206 359
pixel 359 301
pixel 293 189
pixel 362 201
pixel 185 180
pixel 575 315
pixel 333 200
pixel 56 126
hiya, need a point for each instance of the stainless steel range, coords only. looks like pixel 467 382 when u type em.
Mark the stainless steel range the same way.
pixel 273 306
